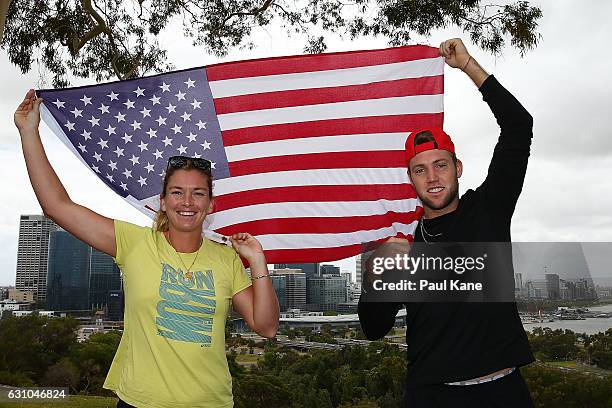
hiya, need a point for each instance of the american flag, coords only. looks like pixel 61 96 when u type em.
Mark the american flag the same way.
pixel 307 151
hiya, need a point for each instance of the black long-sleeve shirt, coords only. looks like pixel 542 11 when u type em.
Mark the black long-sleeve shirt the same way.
pixel 450 342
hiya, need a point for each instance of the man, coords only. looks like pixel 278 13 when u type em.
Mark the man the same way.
pixel 464 354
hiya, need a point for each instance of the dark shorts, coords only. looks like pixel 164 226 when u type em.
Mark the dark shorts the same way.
pixel 507 392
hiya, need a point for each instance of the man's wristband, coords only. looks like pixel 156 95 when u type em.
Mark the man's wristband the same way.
pixel 259 277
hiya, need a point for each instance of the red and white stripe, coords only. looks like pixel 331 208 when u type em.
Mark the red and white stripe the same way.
pixel 315 148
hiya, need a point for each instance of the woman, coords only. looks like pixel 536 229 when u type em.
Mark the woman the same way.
pixel 178 286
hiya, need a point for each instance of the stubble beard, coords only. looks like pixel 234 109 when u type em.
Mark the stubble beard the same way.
pixel 448 199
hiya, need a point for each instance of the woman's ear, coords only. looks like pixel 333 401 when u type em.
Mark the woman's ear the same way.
pixel 162 203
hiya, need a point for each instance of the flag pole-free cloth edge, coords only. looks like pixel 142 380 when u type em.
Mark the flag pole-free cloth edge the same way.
pixel 426 49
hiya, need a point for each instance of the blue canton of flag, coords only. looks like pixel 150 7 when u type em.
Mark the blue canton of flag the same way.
pixel 126 131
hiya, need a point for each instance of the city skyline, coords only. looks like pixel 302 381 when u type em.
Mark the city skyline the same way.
pixel 61 271
pixel 568 106
pixel 67 274
pixel 569 260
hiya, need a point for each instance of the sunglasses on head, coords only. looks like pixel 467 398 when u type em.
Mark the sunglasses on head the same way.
pixel 178 162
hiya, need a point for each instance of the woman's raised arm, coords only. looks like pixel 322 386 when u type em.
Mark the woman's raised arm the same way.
pixel 88 226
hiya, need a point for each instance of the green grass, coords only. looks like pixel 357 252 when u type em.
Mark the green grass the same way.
pixel 247 358
pixel 566 364
pixel 74 401
pixel 578 367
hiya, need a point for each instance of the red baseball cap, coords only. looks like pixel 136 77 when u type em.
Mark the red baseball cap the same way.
pixel 441 141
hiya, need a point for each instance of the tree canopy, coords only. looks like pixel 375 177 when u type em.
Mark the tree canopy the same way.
pixel 37 351
pixel 115 38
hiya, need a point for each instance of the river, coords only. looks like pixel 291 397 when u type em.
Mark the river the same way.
pixel 588 326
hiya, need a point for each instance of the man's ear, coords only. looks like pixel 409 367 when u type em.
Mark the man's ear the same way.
pixel 459 166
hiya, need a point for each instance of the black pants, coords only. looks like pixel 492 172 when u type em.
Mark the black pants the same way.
pixel 507 392
pixel 123 404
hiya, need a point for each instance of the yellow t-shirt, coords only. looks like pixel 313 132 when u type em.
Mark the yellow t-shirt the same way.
pixel 172 353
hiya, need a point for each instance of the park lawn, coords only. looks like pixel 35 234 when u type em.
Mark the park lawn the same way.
pixel 576 366
pixel 247 358
pixel 74 401
pixel 566 364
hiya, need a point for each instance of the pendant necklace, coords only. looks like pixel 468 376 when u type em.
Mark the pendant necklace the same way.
pixel 188 274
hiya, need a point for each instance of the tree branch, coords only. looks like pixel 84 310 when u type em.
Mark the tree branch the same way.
pixel 288 14
pixel 483 20
pixel 132 70
pixel 99 27
pixel 258 10
pixel 188 11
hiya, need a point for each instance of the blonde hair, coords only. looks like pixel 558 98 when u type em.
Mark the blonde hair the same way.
pixel 161 223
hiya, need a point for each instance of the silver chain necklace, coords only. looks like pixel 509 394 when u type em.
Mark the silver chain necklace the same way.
pixel 424 232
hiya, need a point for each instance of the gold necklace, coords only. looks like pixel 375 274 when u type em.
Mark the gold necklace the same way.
pixel 188 274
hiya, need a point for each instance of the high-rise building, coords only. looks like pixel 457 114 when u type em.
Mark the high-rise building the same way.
pixel 309 269
pixel 518 281
pixel 358 260
pixel 329 270
pixel 295 294
pixel 584 289
pixel 536 289
pixel 518 286
pixel 79 277
pixel 325 292
pixel 353 292
pixel 115 305
pixel 32 255
pixel 348 277
pixel 4 292
pixel 552 286
pixel 279 283
pixel 104 276
pixel 68 276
